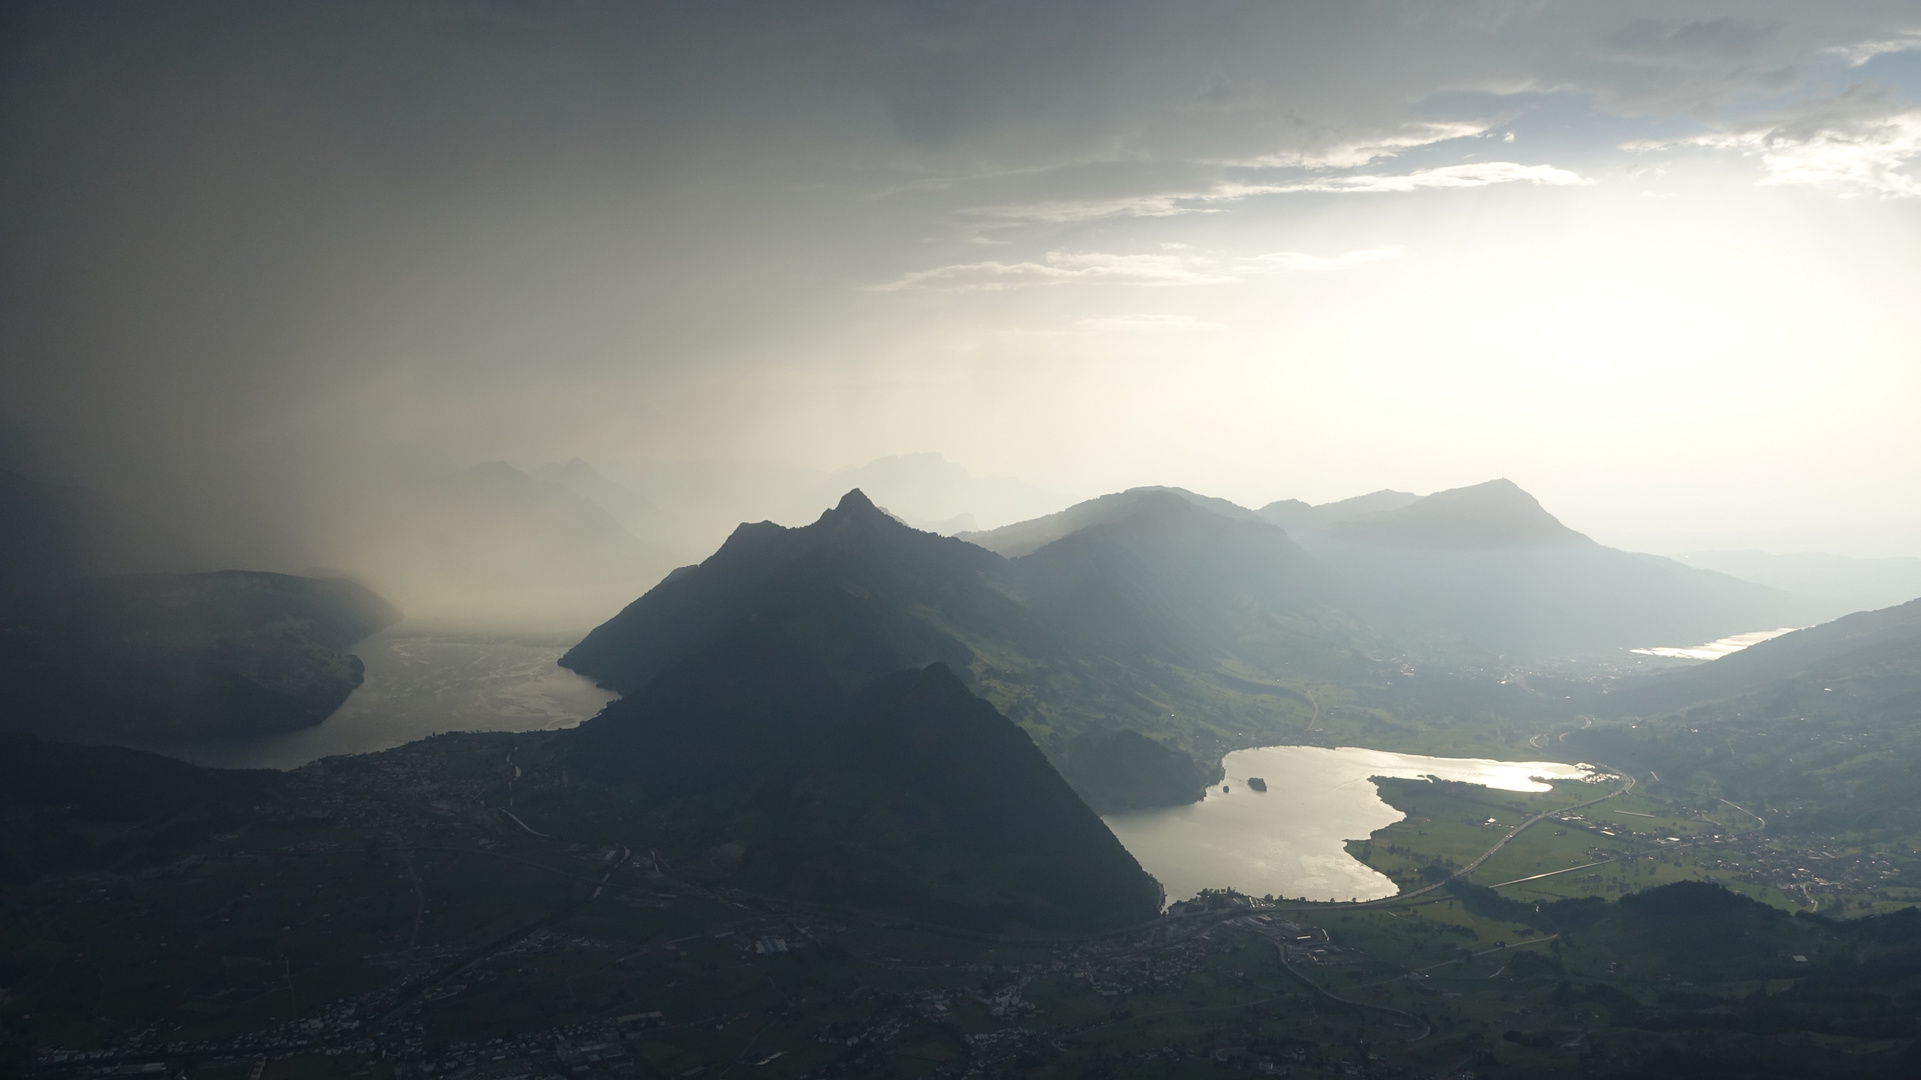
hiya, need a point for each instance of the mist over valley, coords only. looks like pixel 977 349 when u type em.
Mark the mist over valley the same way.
pixel 1127 540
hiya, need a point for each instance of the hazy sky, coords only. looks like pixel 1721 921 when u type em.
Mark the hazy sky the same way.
pixel 1656 262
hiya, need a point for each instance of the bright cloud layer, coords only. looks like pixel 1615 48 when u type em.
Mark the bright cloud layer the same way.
pixel 1364 151
pixel 1861 142
pixel 1476 174
pixel 1214 198
pixel 1063 267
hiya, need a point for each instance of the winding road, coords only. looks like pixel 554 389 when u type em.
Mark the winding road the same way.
pixel 1484 856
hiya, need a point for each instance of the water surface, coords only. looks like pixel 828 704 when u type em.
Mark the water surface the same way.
pixel 419 683
pixel 1716 649
pixel 1290 840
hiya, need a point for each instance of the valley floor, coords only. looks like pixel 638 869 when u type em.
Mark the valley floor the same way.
pixel 392 923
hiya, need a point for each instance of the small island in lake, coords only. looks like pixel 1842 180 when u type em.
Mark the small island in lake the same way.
pixel 1257 783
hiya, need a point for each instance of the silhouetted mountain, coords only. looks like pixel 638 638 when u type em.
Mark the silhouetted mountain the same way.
pixel 1494 514
pixel 1491 515
pixel 1163 615
pixel 1026 537
pixel 1487 569
pixel 1163 573
pixel 920 584
pixel 906 792
pixel 153 658
pixel 1293 514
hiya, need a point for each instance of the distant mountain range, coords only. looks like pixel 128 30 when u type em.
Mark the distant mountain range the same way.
pixel 1836 584
pixel 494 547
pixel 1486 568
pixel 1138 635
pixel 1119 625
pixel 1496 514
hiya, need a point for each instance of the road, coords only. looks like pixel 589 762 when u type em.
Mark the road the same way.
pixel 1484 856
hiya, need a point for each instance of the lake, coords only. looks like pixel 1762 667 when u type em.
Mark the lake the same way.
pixel 1290 840
pixel 1716 649
pixel 421 682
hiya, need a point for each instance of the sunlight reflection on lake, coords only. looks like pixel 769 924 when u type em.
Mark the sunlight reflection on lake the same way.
pixel 1716 649
pixel 1290 840
pixel 419 683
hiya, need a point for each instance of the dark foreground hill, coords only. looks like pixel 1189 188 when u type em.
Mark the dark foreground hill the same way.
pixel 160 658
pixel 65 807
pixel 766 760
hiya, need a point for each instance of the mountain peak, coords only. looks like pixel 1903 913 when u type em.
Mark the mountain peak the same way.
pixel 858 515
pixel 855 502
pixel 1026 537
pixel 811 573
pixel 1497 513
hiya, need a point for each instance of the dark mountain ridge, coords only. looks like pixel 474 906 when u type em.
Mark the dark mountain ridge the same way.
pixel 854 549
pixel 163 658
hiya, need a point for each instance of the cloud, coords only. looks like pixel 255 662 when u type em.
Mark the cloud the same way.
pixel 1860 52
pixel 1364 151
pixel 1209 199
pixel 1063 267
pixel 1860 142
pixel 1476 174
pixel 1072 211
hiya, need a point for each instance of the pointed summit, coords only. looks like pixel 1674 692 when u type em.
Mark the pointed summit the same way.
pixel 855 550
pixel 858 522
pixel 854 502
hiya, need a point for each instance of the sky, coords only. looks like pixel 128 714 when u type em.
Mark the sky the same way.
pixel 1655 262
